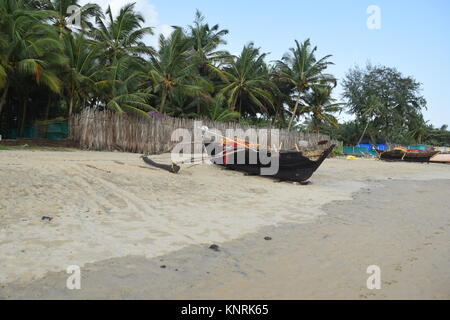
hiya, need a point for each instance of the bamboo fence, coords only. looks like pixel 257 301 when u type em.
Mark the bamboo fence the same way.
pixel 108 130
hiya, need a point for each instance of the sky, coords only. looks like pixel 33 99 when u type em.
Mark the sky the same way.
pixel 412 35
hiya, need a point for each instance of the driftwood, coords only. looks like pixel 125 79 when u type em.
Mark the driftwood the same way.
pixel 173 168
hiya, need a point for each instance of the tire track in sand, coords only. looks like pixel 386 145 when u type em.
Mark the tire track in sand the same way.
pixel 89 178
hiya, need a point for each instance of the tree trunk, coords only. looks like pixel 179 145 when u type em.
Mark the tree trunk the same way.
pixel 70 105
pixel 163 101
pixel 198 105
pixel 364 132
pixel 295 111
pixel 24 115
pixel 3 98
pixel 47 108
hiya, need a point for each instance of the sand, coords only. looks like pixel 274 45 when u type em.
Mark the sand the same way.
pixel 117 218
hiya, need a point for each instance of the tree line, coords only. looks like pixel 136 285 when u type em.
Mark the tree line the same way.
pixel 51 68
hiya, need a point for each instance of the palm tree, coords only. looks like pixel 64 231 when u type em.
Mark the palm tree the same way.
pixel 28 49
pixel 172 67
pixel 81 70
pixel 320 105
pixel 62 16
pixel 217 112
pixel 205 41
pixel 123 34
pixel 120 87
pixel 372 108
pixel 300 68
pixel 248 82
pixel 418 128
pixel 180 105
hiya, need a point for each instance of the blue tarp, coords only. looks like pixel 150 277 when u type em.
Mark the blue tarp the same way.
pixel 370 147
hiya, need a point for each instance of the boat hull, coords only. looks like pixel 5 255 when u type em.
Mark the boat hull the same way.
pixel 293 166
pixel 398 155
pixel 441 158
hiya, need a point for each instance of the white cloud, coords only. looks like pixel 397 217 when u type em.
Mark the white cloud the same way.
pixel 145 8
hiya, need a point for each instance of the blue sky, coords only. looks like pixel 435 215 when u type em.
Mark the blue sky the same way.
pixel 414 35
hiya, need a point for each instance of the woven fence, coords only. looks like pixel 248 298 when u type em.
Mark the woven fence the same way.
pixel 107 130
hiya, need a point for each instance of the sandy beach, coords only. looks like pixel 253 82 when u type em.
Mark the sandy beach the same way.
pixel 140 232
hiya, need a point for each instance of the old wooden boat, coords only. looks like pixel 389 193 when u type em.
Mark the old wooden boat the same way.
pixel 403 154
pixel 293 165
pixel 441 158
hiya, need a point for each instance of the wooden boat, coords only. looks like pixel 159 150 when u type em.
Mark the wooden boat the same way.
pixel 403 154
pixel 441 158
pixel 293 166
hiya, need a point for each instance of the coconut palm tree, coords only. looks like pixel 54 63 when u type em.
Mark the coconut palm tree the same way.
pixel 218 112
pixel 205 54
pixel 122 35
pixel 63 15
pixel 81 70
pixel 172 67
pixel 28 49
pixel 302 70
pixel 248 82
pixel 205 41
pixel 372 108
pixel 180 105
pixel 120 87
pixel 321 107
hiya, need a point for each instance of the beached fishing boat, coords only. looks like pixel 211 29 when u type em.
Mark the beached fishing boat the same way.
pixel 293 165
pixel 441 158
pixel 404 154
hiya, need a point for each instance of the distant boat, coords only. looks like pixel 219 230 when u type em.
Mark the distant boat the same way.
pixel 404 154
pixel 293 166
pixel 441 158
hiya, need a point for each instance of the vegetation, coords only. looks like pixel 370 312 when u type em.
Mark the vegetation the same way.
pixel 52 68
pixel 387 106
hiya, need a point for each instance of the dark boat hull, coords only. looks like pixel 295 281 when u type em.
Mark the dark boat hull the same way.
pixel 398 155
pixel 293 166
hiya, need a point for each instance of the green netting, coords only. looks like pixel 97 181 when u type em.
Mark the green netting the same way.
pixel 358 151
pixel 51 130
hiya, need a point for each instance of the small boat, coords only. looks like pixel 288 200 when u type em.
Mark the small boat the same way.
pixel 404 154
pixel 441 158
pixel 293 165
